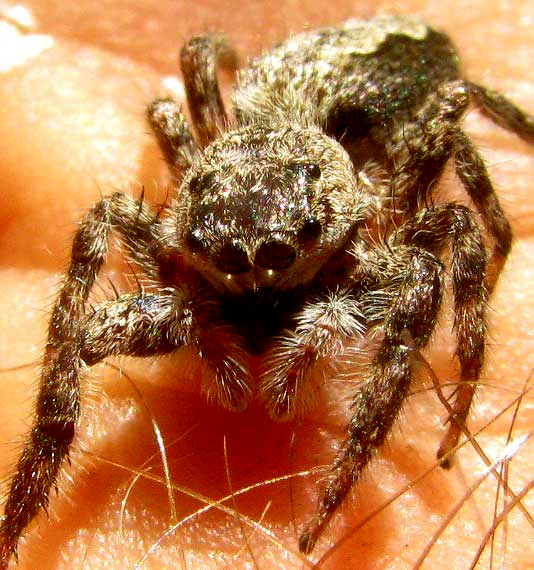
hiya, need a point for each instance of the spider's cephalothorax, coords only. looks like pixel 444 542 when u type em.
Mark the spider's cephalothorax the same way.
pixel 301 221
pixel 275 220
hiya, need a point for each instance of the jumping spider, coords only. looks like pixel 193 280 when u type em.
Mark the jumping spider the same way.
pixel 303 221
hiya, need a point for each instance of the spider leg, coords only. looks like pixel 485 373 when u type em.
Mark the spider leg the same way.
pixel 297 362
pixel 173 135
pixel 472 172
pixel 198 59
pixel 431 229
pixel 503 111
pixel 148 324
pixel 412 310
pixel 470 322
pixel 139 229
pixel 58 400
pixel 136 325
pixel 434 138
pixel 420 149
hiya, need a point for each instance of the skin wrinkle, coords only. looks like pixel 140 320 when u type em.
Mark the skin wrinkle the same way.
pixel 55 259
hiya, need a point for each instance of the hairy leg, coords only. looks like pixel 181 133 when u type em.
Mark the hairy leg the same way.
pixel 173 135
pixel 152 328
pixel 413 311
pixel 505 113
pixel 431 140
pixel 472 172
pixel 138 227
pixel 421 149
pixel 39 161
pixel 455 225
pixel 198 60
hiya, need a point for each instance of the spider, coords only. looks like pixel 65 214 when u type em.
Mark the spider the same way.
pixel 304 220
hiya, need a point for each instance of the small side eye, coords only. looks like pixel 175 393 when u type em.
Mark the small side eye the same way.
pixel 313 171
pixel 311 230
pixel 194 185
pixel 308 171
pixel 199 184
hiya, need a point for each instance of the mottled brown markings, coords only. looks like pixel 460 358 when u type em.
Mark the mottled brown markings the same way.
pixel 348 247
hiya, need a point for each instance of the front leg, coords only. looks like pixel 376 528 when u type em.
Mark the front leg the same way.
pixel 295 364
pixel 410 301
pixel 134 325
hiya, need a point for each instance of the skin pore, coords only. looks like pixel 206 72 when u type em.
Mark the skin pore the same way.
pixel 73 129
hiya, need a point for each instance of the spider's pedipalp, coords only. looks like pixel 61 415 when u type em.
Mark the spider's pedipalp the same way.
pixel 304 219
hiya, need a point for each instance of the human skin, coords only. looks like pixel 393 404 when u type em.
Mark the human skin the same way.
pixel 73 129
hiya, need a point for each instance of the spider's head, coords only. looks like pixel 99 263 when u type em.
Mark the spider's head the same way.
pixel 264 208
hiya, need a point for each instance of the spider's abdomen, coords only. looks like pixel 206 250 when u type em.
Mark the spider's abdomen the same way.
pixel 363 74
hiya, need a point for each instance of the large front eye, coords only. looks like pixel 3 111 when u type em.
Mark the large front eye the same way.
pixel 275 254
pixel 310 230
pixel 231 258
pixel 194 243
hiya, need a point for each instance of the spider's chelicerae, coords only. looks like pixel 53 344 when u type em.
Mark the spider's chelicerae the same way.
pixel 302 221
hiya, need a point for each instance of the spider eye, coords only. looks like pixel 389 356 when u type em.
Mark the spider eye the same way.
pixel 231 258
pixel 275 254
pixel 311 229
pixel 313 171
pixel 194 243
pixel 309 171
pixel 199 184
